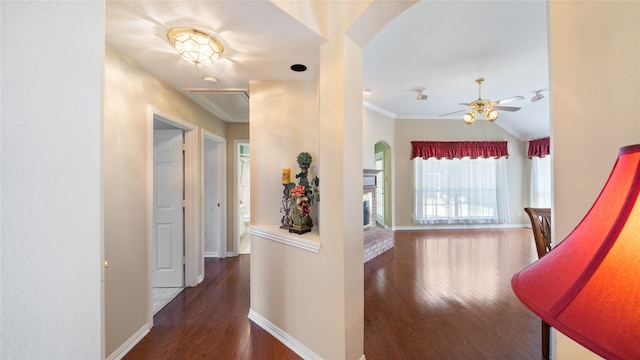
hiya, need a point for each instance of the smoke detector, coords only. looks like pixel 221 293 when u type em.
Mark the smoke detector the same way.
pixel 210 79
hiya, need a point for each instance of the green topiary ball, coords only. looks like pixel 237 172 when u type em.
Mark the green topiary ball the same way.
pixel 304 159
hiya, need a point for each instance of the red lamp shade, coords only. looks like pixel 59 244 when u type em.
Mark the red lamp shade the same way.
pixel 588 287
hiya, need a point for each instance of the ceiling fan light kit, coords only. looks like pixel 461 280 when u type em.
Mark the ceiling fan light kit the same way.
pixel 485 107
pixel 421 96
pixel 195 46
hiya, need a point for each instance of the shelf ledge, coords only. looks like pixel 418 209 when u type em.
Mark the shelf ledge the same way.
pixel 309 241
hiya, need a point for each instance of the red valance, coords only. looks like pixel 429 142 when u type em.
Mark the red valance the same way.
pixel 538 148
pixel 459 149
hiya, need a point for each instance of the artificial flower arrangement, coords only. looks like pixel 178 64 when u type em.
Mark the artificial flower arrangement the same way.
pixel 303 195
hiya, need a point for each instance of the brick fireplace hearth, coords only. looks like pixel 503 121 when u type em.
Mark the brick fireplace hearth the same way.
pixel 376 238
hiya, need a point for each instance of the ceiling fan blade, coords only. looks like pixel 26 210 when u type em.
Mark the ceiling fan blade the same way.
pixel 507 108
pixel 465 104
pixel 508 100
pixel 455 112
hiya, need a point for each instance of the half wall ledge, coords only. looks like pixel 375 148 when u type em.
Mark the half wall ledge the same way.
pixel 309 241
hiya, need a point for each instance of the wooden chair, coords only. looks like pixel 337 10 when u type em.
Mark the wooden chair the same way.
pixel 541 225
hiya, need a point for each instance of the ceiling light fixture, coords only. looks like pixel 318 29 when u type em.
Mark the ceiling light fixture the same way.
pixel 421 96
pixel 588 286
pixel 195 46
pixel 481 107
pixel 537 96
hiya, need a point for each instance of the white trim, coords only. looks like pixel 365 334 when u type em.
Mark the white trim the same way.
pixel 211 254
pixel 309 241
pixel 379 110
pixel 120 352
pixel 193 252
pixel 221 193
pixel 461 227
pixel 192 249
pixel 235 206
pixel 282 336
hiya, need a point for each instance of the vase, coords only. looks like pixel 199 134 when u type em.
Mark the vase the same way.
pixel 300 224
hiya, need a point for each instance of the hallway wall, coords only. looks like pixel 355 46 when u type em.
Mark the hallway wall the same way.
pixel 125 161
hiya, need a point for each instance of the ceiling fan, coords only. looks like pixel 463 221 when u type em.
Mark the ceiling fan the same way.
pixel 485 107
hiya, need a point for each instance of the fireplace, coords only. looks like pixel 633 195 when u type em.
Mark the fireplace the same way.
pixel 376 239
pixel 369 197
pixel 367 209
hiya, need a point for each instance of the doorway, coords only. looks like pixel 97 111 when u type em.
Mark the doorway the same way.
pixel 167 247
pixel 382 162
pixel 186 256
pixel 243 195
pixel 214 190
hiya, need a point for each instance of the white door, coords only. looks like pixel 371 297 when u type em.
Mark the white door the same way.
pixel 168 217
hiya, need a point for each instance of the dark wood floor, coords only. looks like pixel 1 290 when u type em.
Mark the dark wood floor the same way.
pixel 436 295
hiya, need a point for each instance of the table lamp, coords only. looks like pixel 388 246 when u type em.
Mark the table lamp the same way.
pixel 588 286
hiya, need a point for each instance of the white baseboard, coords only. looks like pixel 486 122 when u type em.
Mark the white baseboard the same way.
pixel 283 337
pixel 461 227
pixel 208 254
pixel 130 343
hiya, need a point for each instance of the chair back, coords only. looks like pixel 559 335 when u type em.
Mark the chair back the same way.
pixel 541 225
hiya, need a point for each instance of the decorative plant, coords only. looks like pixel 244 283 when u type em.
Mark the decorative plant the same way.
pixel 304 159
pixel 305 193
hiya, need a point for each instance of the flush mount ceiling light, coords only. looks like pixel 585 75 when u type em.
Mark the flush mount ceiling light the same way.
pixel 195 46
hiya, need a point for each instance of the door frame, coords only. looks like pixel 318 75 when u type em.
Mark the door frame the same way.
pixel 221 192
pixel 192 252
pixel 236 194
pixel 387 165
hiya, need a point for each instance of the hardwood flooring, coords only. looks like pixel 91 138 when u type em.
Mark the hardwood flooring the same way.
pixel 447 295
pixel 436 295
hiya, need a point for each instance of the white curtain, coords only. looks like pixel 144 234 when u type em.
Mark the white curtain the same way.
pixel 540 191
pixel 460 191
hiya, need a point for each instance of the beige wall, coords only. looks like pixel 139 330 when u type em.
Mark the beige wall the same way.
pixel 286 282
pixel 375 127
pixel 125 133
pixel 455 130
pixel 594 59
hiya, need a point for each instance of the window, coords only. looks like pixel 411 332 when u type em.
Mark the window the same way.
pixel 540 190
pixel 460 191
